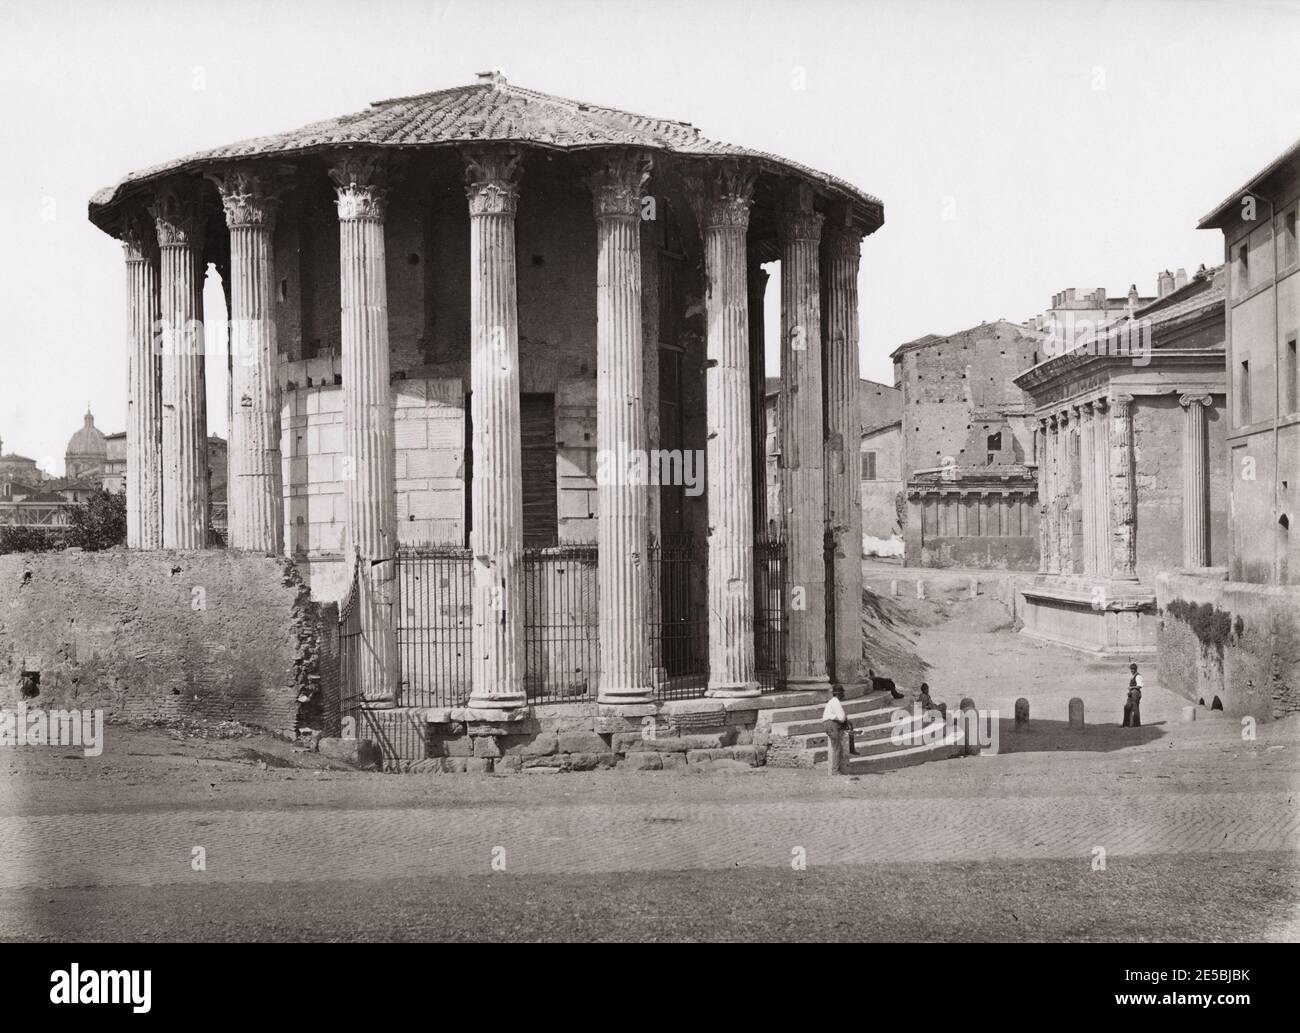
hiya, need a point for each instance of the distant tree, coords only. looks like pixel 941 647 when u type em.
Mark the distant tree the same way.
pixel 100 523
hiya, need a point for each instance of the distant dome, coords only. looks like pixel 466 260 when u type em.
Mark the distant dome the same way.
pixel 88 441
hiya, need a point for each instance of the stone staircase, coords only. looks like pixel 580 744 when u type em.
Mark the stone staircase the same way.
pixel 796 737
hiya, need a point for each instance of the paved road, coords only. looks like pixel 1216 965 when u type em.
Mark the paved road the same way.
pixel 271 845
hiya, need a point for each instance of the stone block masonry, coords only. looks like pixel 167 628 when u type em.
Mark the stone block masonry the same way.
pixel 161 636
pixel 1228 639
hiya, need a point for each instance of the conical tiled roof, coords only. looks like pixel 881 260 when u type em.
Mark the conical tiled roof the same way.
pixel 488 111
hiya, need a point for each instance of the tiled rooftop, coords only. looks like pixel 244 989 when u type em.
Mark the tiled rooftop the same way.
pixel 488 111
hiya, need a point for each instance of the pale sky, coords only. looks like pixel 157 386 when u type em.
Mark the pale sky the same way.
pixel 1076 143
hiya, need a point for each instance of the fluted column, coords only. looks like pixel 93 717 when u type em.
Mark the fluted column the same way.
pixel 721 199
pixel 803 487
pixel 622 531
pixel 1101 487
pixel 496 537
pixel 144 388
pixel 255 505
pixel 1044 494
pixel 1123 538
pixel 178 220
pixel 758 396
pixel 1087 487
pixel 1196 483
pixel 368 474
pixel 841 253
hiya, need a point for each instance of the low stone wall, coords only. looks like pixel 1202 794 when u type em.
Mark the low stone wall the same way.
pixel 162 636
pixel 565 737
pixel 1231 640
pixel 1013 553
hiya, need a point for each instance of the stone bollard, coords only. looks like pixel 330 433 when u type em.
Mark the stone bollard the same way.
pixel 974 587
pixel 1076 712
pixel 1022 713
pixel 1189 714
pixel 920 589
pixel 893 588
pixel 968 720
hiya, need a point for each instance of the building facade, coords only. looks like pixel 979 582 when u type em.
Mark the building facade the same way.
pixel 486 318
pixel 1262 257
pixel 968 448
pixel 1132 439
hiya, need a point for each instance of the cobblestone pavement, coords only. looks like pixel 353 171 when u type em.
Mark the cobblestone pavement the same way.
pixel 327 842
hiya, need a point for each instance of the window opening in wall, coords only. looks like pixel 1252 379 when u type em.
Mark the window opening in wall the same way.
pixel 868 466
pixel 1243 393
pixel 1289 359
pixel 1289 251
pixel 537 470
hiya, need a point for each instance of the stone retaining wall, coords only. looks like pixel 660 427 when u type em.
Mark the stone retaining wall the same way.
pixel 1254 669
pixel 161 636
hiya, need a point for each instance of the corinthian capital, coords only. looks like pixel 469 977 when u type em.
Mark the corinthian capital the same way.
pixel 492 180
pixel 139 237
pixel 250 195
pixel 178 216
pixel 805 226
pixel 840 237
pixel 361 180
pixel 617 179
pixel 721 195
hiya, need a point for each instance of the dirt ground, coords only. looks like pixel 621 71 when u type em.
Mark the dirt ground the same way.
pixel 1173 831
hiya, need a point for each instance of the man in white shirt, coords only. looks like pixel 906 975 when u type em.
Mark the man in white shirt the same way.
pixel 837 723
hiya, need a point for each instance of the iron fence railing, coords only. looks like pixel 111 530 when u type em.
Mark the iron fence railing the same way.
pixel 434 625
pixel 679 636
pixel 351 653
pixel 561 647
pixel 769 613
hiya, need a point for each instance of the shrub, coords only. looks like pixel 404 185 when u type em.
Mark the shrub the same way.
pixel 1211 625
pixel 100 523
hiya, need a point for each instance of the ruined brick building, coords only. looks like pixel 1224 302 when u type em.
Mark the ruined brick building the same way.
pixel 469 328
pixel 968 448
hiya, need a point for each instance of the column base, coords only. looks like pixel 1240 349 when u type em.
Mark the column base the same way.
pixel 733 690
pixel 379 703
pixel 812 683
pixel 511 702
pixel 629 697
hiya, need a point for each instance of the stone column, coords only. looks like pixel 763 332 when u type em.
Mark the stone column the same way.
pixel 178 219
pixel 369 471
pixel 1087 487
pixel 1064 484
pixel 758 396
pixel 1101 486
pixel 255 503
pixel 801 428
pixel 1123 539
pixel 622 531
pixel 1044 493
pixel 841 253
pixel 721 198
pixel 497 506
pixel 144 387
pixel 802 485
pixel 1196 483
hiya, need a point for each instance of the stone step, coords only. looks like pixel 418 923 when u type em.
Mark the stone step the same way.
pixel 865 704
pixel 905 757
pixel 860 719
pixel 868 733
